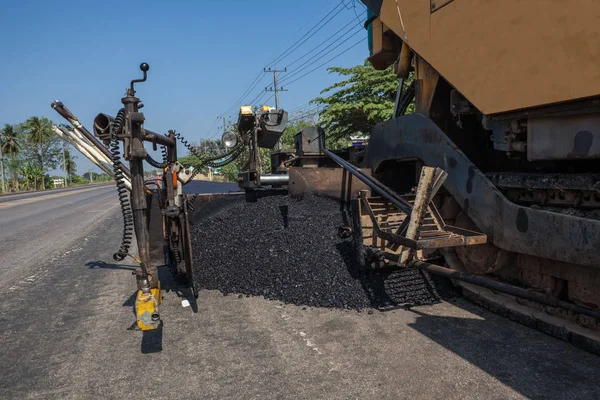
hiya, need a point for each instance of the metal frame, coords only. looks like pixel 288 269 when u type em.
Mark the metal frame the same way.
pixel 433 232
pixel 508 226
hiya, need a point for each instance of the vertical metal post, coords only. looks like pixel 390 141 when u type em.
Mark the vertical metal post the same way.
pixel 139 204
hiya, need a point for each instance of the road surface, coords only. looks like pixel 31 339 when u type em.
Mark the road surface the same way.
pixel 66 307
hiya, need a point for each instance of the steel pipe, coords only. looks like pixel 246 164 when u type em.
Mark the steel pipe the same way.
pixel 504 288
pixel 89 152
pixel 274 179
pixel 373 183
pixel 90 140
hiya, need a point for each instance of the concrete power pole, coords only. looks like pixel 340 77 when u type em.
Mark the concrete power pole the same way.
pixel 90 172
pixel 276 89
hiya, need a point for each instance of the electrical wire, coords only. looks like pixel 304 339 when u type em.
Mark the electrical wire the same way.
pixel 325 41
pixel 323 55
pixel 331 59
pixel 251 87
pixel 291 49
pixel 311 32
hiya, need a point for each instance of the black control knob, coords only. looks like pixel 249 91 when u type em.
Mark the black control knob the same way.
pixel 144 67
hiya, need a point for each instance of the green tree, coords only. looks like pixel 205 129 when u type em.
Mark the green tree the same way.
pixel 31 174
pixel 192 161
pixel 356 104
pixel 10 146
pixel 69 166
pixel 45 143
pixel 13 165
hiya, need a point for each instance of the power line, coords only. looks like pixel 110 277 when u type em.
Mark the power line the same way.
pixel 308 21
pixel 322 43
pixel 298 108
pixel 308 34
pixel 331 59
pixel 354 9
pixel 291 49
pixel 253 85
pixel 322 55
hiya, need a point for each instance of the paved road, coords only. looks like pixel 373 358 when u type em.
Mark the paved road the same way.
pixel 66 307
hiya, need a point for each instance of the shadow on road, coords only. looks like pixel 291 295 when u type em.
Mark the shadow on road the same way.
pixel 152 340
pixel 528 361
pixel 167 281
pixel 105 265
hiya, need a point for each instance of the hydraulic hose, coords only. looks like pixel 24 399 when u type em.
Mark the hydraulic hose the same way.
pixel 124 199
pixel 154 163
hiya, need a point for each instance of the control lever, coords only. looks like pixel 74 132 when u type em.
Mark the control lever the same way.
pixel 145 68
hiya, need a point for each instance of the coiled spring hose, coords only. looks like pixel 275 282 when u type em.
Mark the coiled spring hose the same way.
pixel 154 163
pixel 124 198
pixel 158 164
pixel 207 160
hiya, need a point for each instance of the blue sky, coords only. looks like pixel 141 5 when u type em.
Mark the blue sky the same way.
pixel 203 55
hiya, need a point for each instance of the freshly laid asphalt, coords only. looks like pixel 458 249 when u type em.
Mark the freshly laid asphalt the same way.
pixel 66 307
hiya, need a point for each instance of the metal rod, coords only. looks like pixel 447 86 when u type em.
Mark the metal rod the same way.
pixel 504 288
pixel 64 112
pixel 372 183
pixel 159 139
pixel 274 179
pixel 89 152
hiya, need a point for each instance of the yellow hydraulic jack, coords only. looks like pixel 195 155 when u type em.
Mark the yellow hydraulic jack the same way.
pixel 147 302
pixel 146 306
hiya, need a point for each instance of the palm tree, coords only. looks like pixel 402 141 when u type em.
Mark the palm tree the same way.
pixel 39 130
pixel 69 163
pixel 9 147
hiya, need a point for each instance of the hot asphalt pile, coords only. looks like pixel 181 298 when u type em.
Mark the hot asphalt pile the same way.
pixel 289 250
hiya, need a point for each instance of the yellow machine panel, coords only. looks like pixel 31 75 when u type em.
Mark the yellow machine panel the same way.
pixel 507 55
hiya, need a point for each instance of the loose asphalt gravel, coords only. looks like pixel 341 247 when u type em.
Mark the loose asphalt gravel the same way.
pixel 289 250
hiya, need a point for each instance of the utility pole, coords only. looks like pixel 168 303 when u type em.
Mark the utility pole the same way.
pixel 276 89
pixel 90 172
pixel 2 165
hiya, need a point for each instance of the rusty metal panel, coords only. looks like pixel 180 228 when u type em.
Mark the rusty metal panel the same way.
pixel 332 182
pixel 514 54
pixel 562 138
